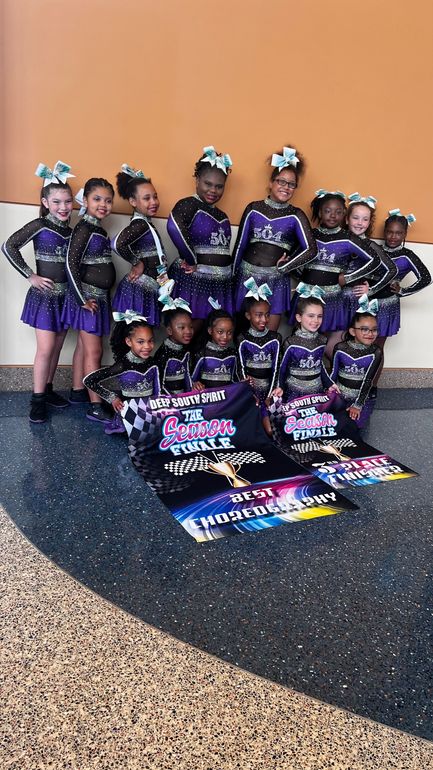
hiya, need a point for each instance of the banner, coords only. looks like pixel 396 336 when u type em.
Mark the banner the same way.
pixel 317 432
pixel 207 457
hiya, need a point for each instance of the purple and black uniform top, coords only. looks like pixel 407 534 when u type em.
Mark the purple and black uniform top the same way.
pixel 215 366
pixel 354 366
pixel 302 370
pixel 258 358
pixel 173 362
pixel 405 262
pixel 50 238
pixel 131 377
pixel 200 232
pixel 136 242
pixel 88 262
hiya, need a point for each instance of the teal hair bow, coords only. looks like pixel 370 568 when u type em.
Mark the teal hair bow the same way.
pixel 132 172
pixel 410 218
pixel 357 198
pixel 129 316
pixel 288 158
pixel 305 290
pixel 258 292
pixel 80 199
pixel 364 306
pixel 223 162
pixel 214 303
pixel 173 304
pixel 60 173
pixel 321 193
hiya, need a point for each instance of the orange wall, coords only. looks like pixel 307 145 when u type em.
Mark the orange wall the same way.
pixel 97 83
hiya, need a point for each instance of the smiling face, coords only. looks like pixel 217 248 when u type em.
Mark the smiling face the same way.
pixel 180 329
pixel 141 341
pixel 99 202
pixel 221 332
pixel 258 315
pixel 359 219
pixel 210 185
pixel 145 200
pixel 395 233
pixel 332 213
pixel 310 319
pixel 281 189
pixel 59 203
pixel 364 329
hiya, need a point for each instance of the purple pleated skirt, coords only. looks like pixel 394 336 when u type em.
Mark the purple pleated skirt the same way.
pixel 207 281
pixel 43 309
pixel 78 318
pixel 278 282
pixel 140 295
pixel 334 313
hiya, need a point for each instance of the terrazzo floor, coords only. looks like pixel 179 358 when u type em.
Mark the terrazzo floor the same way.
pixel 337 608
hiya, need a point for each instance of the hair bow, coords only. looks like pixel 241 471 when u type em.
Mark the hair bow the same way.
pixel 173 304
pixel 129 316
pixel 357 198
pixel 288 158
pixel 410 218
pixel 131 171
pixel 214 303
pixel 322 193
pixel 60 173
pixel 258 292
pixel 80 199
pixel 223 162
pixel 305 290
pixel 364 306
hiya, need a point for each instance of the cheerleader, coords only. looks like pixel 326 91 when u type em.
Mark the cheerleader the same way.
pixel 134 373
pixel 356 361
pixel 214 364
pixel 259 347
pixel 302 371
pixel 336 249
pixel 173 356
pixel 43 305
pixel 139 244
pixel 271 231
pixel 406 262
pixel 201 233
pixel 91 275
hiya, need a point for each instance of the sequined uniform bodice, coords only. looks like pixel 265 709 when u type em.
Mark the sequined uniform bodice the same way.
pixel 353 369
pixel 50 239
pixel 89 258
pixel 336 250
pixel 268 230
pixel 131 377
pixel 301 367
pixel 258 357
pixel 406 262
pixel 200 232
pixel 173 361
pixel 215 366
pixel 136 242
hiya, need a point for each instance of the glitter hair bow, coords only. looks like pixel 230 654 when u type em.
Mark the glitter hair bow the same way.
pixel 321 193
pixel 132 172
pixel 364 306
pixel 305 290
pixel 80 199
pixel 258 292
pixel 357 198
pixel 288 158
pixel 129 316
pixel 60 173
pixel 410 218
pixel 173 304
pixel 223 162
pixel 214 303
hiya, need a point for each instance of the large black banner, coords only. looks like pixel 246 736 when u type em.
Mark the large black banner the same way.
pixel 317 432
pixel 208 458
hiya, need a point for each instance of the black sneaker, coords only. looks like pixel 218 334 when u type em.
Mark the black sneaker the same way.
pixel 97 414
pixel 54 399
pixel 38 408
pixel 80 396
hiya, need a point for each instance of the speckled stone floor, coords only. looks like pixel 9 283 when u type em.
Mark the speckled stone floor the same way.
pixel 339 609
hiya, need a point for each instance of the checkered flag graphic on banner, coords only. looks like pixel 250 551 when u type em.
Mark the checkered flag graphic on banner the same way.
pixel 161 483
pixel 323 446
pixel 143 423
pixel 202 462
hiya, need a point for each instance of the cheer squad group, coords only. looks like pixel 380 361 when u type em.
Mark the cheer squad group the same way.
pixel 221 309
